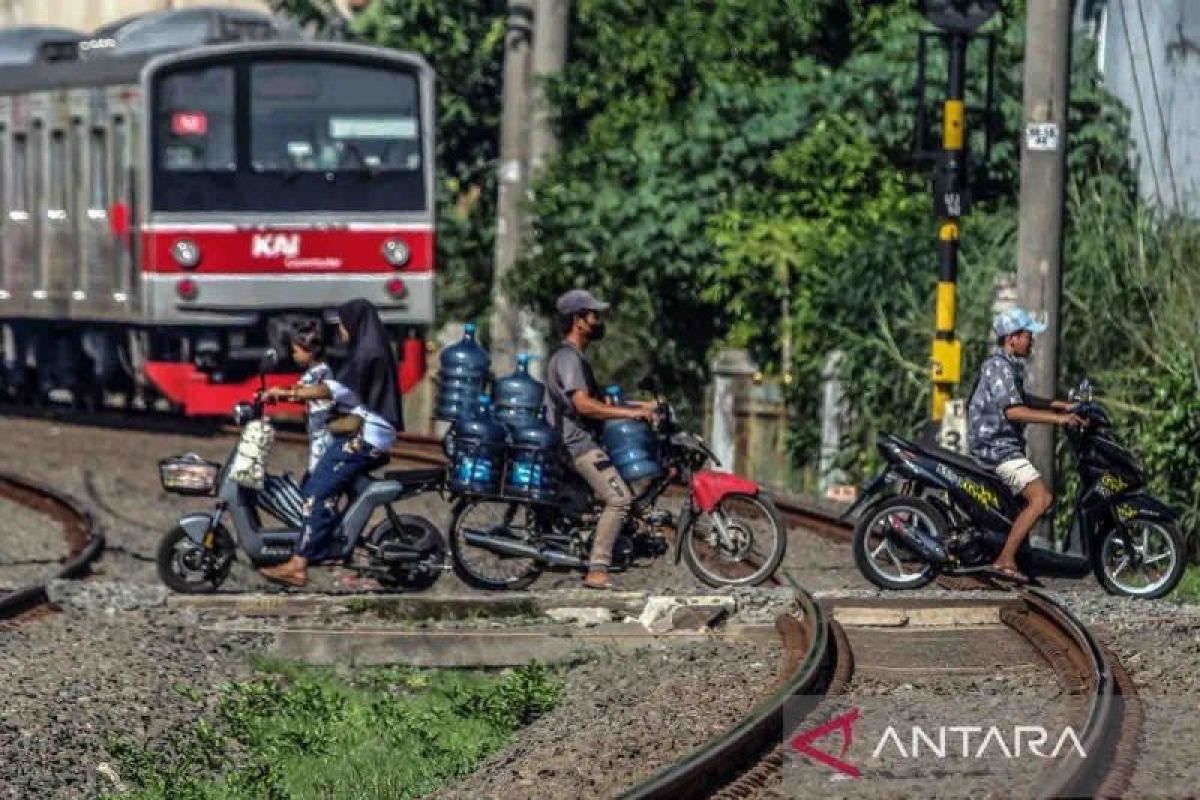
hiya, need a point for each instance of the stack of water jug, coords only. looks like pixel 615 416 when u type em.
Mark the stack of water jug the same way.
pixel 501 440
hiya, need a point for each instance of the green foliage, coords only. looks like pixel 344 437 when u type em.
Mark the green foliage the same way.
pixel 300 732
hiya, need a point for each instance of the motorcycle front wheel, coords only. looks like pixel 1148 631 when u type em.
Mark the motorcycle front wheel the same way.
pixel 1147 560
pixel 739 543
pixel 484 568
pixel 881 555
pixel 185 567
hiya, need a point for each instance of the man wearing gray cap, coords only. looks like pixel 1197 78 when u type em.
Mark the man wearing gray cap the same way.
pixel 996 419
pixel 577 409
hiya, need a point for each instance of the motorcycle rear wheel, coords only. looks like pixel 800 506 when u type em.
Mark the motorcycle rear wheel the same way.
pixel 874 547
pixel 178 562
pixel 480 567
pixel 415 531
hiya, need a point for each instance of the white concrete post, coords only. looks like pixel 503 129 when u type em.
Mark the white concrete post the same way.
pixel 729 369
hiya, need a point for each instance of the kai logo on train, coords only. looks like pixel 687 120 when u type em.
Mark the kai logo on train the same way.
pixel 275 245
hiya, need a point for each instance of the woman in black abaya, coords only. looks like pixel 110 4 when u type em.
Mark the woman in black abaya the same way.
pixel 368 414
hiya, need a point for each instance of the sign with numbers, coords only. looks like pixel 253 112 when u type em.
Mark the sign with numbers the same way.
pixel 1041 136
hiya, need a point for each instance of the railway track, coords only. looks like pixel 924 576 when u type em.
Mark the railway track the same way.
pixel 819 662
pixel 83 543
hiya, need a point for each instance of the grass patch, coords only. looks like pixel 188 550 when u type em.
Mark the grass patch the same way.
pixel 296 732
pixel 1188 590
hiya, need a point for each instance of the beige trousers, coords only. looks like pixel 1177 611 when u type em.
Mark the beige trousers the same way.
pixel 596 468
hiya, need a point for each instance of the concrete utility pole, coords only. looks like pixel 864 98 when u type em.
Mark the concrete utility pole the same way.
pixel 506 323
pixel 551 20
pixel 1043 167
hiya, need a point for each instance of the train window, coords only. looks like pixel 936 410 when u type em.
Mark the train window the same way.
pixel 98 161
pixel 56 189
pixel 313 116
pixel 19 186
pixel 195 122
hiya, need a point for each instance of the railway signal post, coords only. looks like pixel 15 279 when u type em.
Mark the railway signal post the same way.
pixel 958 19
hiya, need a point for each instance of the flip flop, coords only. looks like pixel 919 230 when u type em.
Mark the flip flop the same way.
pixel 598 587
pixel 1009 575
pixel 284 580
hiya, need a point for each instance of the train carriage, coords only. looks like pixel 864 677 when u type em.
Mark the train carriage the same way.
pixel 165 216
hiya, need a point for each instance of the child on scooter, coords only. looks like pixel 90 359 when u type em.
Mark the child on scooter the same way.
pixel 308 351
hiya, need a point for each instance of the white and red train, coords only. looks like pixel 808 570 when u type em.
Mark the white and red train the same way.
pixel 168 209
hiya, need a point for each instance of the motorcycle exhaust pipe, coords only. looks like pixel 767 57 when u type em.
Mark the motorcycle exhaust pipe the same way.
pixel 924 546
pixel 509 547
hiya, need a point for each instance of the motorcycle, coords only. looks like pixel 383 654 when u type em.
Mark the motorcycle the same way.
pixel 728 532
pixel 402 551
pixel 951 515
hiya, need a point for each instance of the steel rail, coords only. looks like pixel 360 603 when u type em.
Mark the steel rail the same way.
pixel 1081 775
pixel 706 769
pixel 84 538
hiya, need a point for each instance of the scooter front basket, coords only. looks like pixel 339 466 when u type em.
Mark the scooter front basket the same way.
pixel 189 474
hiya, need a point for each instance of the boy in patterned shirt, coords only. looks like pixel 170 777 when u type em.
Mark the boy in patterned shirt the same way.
pixel 996 419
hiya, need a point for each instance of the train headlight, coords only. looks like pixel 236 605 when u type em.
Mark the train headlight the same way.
pixel 396 252
pixel 186 253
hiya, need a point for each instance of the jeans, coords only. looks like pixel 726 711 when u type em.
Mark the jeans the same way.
pixel 597 469
pixel 344 460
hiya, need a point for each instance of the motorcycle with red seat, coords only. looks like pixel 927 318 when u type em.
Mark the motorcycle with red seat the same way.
pixel 727 531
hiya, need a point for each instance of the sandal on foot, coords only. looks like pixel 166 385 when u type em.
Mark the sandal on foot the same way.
pixel 284 578
pixel 1008 574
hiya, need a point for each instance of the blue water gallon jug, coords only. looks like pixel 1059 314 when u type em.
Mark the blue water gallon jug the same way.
pixel 479 445
pixel 630 443
pixel 518 397
pixel 463 371
pixel 534 460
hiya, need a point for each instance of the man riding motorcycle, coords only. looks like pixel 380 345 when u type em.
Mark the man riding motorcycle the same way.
pixel 996 418
pixel 576 407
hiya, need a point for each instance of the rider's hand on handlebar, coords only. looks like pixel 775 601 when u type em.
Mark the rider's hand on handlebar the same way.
pixel 275 394
pixel 1070 420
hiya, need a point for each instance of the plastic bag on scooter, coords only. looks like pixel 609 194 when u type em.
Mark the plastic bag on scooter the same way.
pixel 249 468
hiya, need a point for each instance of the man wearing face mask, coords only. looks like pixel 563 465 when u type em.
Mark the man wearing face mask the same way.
pixel 577 409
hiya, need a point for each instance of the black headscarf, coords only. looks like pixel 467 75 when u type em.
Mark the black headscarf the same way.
pixel 370 367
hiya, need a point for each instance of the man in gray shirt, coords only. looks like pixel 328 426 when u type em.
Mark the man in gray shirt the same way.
pixel 996 418
pixel 577 408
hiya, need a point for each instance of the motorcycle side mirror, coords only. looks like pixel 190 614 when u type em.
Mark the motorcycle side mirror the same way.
pixel 648 384
pixel 269 361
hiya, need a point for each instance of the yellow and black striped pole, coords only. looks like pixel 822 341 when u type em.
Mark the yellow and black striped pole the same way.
pixel 950 201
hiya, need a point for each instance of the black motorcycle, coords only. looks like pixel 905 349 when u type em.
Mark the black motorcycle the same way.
pixel 949 514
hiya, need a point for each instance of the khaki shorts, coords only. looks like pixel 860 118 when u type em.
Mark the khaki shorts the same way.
pixel 1017 473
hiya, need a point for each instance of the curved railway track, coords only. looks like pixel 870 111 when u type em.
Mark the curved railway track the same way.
pixel 818 662
pixel 83 539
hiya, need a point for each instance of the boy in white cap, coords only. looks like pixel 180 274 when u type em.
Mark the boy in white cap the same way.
pixel 996 418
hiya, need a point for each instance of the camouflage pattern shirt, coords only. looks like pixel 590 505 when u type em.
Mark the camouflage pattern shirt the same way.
pixel 993 437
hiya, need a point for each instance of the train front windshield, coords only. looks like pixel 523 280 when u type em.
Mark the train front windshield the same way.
pixel 288 134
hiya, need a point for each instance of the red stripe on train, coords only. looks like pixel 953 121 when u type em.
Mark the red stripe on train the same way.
pixel 264 250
